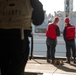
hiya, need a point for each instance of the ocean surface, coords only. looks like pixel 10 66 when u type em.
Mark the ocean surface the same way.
pixel 40 48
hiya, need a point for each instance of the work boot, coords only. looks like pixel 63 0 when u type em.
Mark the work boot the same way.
pixel 68 60
pixel 52 61
pixel 74 61
pixel 48 60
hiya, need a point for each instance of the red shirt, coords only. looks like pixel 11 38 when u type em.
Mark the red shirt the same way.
pixel 51 31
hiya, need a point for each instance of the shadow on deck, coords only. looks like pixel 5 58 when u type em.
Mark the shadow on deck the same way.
pixel 41 67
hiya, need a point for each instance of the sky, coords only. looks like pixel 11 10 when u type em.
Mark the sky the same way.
pixel 54 5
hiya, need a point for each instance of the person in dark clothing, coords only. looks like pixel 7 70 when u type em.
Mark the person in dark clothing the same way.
pixel 16 18
pixel 52 32
pixel 69 37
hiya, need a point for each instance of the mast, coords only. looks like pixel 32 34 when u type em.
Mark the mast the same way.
pixel 68 8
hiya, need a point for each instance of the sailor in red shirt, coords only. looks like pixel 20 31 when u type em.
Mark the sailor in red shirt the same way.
pixel 69 37
pixel 52 32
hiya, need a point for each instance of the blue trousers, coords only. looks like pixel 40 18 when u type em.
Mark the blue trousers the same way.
pixel 70 47
pixel 51 44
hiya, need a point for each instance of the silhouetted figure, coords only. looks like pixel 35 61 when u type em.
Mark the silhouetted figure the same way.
pixel 16 18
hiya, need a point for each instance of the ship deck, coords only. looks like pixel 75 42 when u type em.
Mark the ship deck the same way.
pixel 41 67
